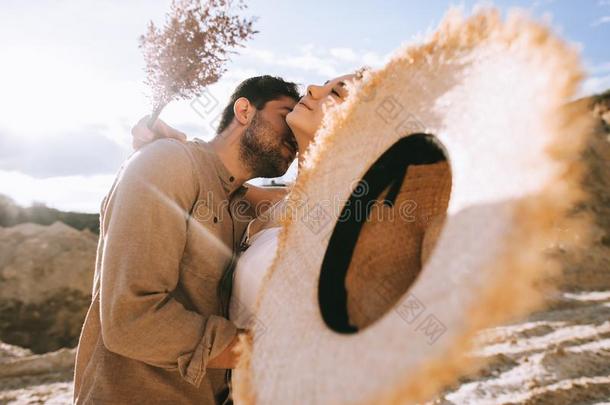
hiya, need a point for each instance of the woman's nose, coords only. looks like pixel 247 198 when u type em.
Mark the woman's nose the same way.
pixel 314 91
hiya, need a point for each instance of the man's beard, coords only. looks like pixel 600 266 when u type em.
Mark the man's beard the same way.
pixel 260 149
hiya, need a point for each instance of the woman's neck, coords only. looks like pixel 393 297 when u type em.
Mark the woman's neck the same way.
pixel 303 142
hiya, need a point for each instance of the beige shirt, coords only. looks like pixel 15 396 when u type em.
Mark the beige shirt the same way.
pixel 168 229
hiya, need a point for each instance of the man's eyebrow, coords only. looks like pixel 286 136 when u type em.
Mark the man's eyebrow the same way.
pixel 326 82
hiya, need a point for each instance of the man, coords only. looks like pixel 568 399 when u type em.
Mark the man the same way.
pixel 168 229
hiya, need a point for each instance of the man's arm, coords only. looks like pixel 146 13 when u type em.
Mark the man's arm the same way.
pixel 144 230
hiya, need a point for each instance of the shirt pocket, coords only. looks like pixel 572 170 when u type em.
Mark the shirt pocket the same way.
pixel 208 251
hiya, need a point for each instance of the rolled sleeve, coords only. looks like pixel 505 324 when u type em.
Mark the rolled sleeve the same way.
pixel 144 234
pixel 218 335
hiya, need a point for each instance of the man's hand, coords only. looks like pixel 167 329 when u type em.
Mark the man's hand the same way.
pixel 229 356
pixel 142 135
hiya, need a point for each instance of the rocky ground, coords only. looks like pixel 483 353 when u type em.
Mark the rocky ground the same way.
pixel 27 378
pixel 45 289
pixel 46 276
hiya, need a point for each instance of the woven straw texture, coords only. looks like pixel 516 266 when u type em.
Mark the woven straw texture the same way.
pixel 491 91
pixel 389 253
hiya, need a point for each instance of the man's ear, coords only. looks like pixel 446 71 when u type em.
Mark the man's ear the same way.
pixel 243 110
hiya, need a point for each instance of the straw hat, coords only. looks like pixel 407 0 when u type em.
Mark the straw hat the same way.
pixel 464 140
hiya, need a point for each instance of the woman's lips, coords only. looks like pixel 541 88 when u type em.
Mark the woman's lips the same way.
pixel 305 105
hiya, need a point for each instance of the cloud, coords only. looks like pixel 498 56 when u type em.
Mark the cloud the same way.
pixel 599 68
pixel 602 20
pixel 308 59
pixel 263 55
pixel 598 79
pixel 69 193
pixel 322 62
pixel 595 85
pixel 373 59
pixel 345 54
pixel 84 152
pixel 542 3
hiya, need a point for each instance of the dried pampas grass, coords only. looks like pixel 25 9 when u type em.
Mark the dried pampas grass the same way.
pixel 190 51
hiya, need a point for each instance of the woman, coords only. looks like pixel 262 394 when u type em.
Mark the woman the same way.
pixel 261 238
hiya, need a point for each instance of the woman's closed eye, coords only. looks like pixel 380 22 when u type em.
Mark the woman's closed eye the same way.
pixel 339 91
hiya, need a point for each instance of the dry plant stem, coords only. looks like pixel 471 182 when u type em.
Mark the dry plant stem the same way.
pixel 153 118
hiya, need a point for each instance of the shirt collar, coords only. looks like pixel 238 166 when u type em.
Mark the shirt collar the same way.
pixel 226 178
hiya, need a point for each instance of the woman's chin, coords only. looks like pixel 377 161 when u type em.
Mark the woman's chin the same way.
pixel 293 118
pixel 301 128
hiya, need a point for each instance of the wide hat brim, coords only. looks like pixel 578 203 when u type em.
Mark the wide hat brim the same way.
pixel 491 92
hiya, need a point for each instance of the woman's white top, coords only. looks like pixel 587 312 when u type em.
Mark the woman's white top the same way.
pixel 249 273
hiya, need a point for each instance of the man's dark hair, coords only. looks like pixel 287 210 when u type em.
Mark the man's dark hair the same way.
pixel 258 90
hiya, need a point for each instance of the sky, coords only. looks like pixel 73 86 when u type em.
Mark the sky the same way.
pixel 71 74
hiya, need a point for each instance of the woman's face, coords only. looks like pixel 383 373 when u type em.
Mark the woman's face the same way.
pixel 307 115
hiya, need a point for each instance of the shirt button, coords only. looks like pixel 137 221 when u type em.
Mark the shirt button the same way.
pixel 231 179
pixel 215 219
